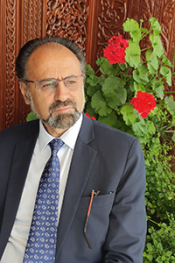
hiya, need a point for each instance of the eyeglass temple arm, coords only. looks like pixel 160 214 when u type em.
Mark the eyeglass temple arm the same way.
pixel 87 216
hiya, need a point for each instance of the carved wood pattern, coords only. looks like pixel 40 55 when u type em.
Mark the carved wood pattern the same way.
pixel 32 28
pixel 113 14
pixel 27 35
pixel 39 19
pixel 157 10
pixel 68 19
pixel 25 27
pixel 2 68
pixel 31 24
pixel 167 25
pixel 32 19
pixel 10 62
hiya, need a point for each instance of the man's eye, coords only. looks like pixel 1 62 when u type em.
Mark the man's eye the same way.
pixel 50 84
pixel 71 81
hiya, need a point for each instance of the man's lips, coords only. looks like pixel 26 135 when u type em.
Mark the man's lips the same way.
pixel 63 109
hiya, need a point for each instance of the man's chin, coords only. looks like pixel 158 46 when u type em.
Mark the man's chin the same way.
pixel 63 120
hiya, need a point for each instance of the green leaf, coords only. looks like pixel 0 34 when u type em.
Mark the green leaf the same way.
pixel 152 60
pixel 92 80
pixel 152 211
pixel 166 72
pixel 89 70
pixel 123 66
pixel 160 92
pixel 151 127
pixel 99 61
pixel 136 76
pixel 149 257
pixel 150 247
pixel 98 103
pixel 138 86
pixel 130 84
pixel 90 90
pixel 31 116
pixel 140 128
pixel 90 110
pixel 110 119
pixel 169 253
pixel 170 197
pixel 145 30
pixel 141 74
pixel 131 26
pixel 128 114
pixel 101 80
pixel 136 35
pixel 155 25
pixel 170 102
pixel 159 246
pixel 157 45
pixel 173 120
pixel 152 70
pixel 166 61
pixel 133 54
pixel 108 69
pixel 173 137
pixel 161 195
pixel 159 88
pixel 114 92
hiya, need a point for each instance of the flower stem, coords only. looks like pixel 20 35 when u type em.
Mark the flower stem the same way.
pixel 173 91
pixel 154 222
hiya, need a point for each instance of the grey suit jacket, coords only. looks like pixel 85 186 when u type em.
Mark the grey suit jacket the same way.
pixel 104 159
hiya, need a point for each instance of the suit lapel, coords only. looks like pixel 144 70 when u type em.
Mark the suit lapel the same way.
pixel 19 168
pixel 81 165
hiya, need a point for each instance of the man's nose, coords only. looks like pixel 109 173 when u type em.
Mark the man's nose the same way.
pixel 61 92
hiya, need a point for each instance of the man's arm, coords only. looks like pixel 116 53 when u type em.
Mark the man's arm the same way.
pixel 126 236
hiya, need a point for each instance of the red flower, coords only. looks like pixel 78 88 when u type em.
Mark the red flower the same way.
pixel 115 51
pixel 93 118
pixel 144 103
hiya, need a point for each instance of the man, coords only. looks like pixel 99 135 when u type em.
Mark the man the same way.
pixel 101 212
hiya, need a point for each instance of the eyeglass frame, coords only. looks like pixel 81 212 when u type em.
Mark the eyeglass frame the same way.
pixel 58 80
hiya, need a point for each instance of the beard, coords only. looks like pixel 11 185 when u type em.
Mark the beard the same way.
pixel 61 120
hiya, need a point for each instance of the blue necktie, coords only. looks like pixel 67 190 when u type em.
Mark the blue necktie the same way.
pixel 41 244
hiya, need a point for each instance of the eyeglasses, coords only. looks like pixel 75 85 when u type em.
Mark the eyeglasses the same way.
pixel 48 86
pixel 93 193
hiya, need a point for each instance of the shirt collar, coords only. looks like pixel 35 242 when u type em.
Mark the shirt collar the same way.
pixel 69 137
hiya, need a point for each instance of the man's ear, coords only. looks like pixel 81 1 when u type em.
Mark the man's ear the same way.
pixel 24 91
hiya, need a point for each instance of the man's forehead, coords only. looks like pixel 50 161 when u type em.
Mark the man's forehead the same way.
pixel 52 52
pixel 51 46
pixel 51 59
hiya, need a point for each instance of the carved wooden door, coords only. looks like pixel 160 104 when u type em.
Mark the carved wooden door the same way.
pixel 90 23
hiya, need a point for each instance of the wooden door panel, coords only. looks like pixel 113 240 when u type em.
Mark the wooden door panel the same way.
pixel 20 21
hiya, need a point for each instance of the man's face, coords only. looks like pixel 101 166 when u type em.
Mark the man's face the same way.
pixel 61 109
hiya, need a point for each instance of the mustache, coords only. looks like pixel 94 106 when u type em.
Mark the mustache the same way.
pixel 61 104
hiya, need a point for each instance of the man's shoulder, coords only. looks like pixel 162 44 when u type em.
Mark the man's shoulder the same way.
pixel 20 130
pixel 101 136
pixel 105 131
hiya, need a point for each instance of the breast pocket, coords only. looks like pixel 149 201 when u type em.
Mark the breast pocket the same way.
pixel 98 201
pixel 99 217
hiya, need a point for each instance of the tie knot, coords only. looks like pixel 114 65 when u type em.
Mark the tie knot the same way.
pixel 55 145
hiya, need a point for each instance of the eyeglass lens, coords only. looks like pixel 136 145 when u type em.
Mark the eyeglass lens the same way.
pixel 49 86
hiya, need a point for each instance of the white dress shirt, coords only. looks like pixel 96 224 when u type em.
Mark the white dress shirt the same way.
pixel 15 248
